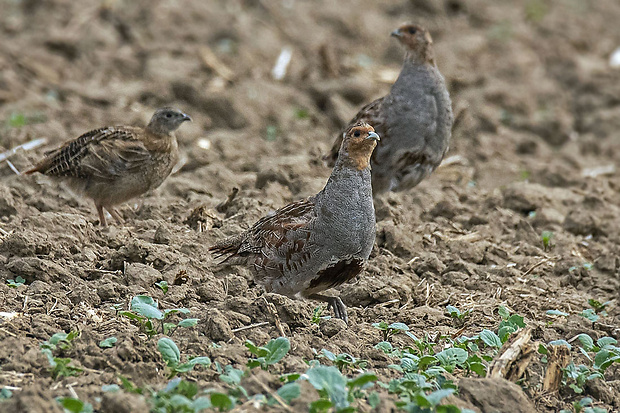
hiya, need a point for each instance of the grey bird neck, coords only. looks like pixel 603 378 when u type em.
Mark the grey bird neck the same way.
pixel 348 187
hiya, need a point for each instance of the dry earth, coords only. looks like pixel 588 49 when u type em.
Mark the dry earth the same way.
pixel 535 150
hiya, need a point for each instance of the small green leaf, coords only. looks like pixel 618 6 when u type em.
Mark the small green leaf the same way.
pixel 503 312
pixel 71 405
pixel 189 322
pixel 590 314
pixel 110 388
pixel 221 401
pixel 321 405
pixel 289 392
pixel 278 348
pixel 399 326
pixel 374 400
pixel 169 351
pixel 362 380
pixel 542 349
pixel 163 285
pixel 108 342
pixel 557 312
pixel 560 343
pixel 490 338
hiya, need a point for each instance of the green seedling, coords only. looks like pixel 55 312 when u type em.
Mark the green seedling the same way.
pixel 59 367
pixel 390 330
pixel 456 314
pixel 271 353
pixel 172 356
pixel 584 406
pixel 145 310
pixel 546 237
pixel 598 307
pixel 17 282
pixel 317 314
pixel 163 285
pixel 343 360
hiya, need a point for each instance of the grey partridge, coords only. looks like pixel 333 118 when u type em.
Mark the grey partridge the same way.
pixel 114 164
pixel 320 242
pixel 414 120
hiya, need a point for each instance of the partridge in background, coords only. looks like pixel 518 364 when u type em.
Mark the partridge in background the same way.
pixel 414 120
pixel 320 242
pixel 114 164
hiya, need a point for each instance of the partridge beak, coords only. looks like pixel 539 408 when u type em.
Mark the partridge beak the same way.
pixel 396 33
pixel 186 117
pixel 373 135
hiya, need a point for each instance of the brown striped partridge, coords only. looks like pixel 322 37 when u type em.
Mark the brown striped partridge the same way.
pixel 114 164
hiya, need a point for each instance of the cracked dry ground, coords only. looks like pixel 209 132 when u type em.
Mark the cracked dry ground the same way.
pixel 535 151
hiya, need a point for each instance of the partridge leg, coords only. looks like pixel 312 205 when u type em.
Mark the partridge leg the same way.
pixel 335 303
pixel 102 220
pixel 116 215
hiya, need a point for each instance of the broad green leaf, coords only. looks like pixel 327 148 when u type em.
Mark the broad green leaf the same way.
pixel 108 342
pixel 147 310
pixel 586 341
pixel 399 326
pixel 71 405
pixel 289 392
pixel 606 341
pixel 188 322
pixel 329 379
pixel 320 405
pixel 169 351
pixel 221 401
pixel 490 338
pixel 362 380
pixel 437 396
pixel 560 343
pixel 590 315
pixel 452 356
pixel 180 403
pixel 201 403
pixel 328 355
pixel 517 319
pixel 278 348
pixel 503 312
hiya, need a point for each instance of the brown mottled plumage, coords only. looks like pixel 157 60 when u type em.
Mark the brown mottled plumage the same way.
pixel 320 242
pixel 114 164
pixel 414 120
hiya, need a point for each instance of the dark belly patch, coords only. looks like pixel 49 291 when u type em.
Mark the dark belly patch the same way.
pixel 336 274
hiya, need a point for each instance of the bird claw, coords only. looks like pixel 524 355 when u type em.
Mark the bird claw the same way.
pixel 340 310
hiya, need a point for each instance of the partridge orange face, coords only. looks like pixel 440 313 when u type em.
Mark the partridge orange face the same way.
pixel 415 38
pixel 358 144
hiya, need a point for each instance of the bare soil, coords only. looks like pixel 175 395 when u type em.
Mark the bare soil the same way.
pixel 538 107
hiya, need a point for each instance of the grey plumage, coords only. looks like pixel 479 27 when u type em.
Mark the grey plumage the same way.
pixel 318 243
pixel 414 120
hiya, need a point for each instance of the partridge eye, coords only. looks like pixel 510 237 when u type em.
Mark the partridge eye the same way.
pixel 168 115
pixel 356 134
pixel 412 30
